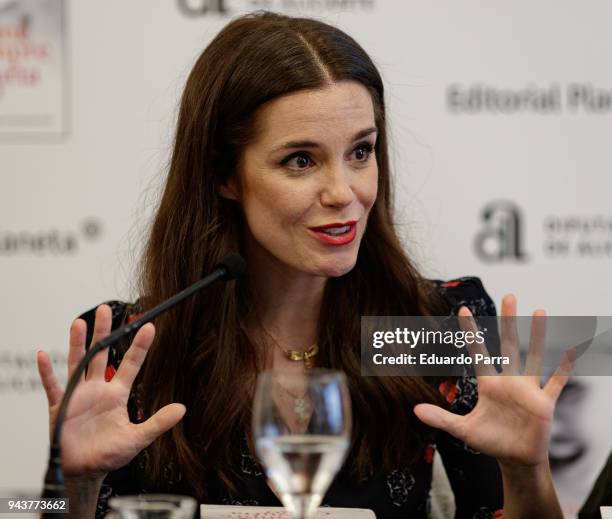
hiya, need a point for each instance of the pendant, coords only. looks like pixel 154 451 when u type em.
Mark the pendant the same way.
pixel 306 356
pixel 300 408
pixel 310 355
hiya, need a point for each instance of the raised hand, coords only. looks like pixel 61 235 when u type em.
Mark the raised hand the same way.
pixel 97 436
pixel 512 418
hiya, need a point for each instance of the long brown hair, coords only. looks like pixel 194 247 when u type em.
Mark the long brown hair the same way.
pixel 202 356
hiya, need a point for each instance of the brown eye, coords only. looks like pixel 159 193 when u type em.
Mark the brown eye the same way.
pixel 297 161
pixel 363 152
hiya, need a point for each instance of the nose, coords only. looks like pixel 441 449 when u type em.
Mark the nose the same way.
pixel 337 190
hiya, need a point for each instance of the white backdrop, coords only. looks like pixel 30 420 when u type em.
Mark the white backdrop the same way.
pixel 535 145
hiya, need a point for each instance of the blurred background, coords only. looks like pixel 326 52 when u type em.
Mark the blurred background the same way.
pixel 500 118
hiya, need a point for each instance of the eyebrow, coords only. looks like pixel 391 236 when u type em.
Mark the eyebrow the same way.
pixel 312 144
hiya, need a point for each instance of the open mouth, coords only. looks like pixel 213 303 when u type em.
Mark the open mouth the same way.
pixel 336 233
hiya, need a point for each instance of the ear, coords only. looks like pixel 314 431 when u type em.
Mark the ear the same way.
pixel 229 190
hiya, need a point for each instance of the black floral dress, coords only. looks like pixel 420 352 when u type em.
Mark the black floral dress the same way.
pixel 402 493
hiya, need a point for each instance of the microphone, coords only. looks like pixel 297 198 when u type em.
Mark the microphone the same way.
pixel 231 267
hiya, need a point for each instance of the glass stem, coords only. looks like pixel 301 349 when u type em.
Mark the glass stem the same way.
pixel 303 506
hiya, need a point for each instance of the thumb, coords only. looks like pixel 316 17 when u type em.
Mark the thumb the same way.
pixel 166 418
pixel 439 418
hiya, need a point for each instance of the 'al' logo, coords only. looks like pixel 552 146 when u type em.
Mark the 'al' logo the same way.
pixel 193 8
pixel 501 239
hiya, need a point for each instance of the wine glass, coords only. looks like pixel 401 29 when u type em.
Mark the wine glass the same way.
pixel 301 428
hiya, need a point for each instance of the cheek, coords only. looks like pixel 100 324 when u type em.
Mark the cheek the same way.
pixel 274 206
pixel 367 189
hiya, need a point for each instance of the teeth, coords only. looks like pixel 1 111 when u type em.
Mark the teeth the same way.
pixel 337 230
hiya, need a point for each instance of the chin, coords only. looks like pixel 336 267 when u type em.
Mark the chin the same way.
pixel 337 267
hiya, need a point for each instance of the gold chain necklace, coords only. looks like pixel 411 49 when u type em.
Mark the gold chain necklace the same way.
pixel 301 405
pixel 307 356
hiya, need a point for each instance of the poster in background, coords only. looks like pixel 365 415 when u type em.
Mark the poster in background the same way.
pixel 32 68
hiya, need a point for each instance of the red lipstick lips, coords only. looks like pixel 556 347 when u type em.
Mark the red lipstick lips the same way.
pixel 337 233
pixel 335 224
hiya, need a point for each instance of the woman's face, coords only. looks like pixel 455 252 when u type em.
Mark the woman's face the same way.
pixel 309 178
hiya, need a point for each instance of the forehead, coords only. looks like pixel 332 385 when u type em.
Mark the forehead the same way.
pixel 337 110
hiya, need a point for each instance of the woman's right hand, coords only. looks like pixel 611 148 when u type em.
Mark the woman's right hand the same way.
pixel 97 435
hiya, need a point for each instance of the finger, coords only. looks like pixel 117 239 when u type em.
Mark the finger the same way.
pixel 166 418
pixel 49 380
pixel 439 418
pixel 509 335
pixel 559 378
pixel 478 351
pixel 533 364
pixel 135 356
pixel 102 327
pixel 76 349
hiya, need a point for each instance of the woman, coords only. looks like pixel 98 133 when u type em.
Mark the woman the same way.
pixel 281 153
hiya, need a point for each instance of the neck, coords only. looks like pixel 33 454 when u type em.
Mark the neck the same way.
pixel 287 302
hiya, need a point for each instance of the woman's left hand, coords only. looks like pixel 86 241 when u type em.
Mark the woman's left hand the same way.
pixel 513 415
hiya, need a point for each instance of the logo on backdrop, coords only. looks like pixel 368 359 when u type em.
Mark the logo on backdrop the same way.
pixel 575 236
pixel 573 98
pixel 49 242
pixel 193 8
pixel 501 238
pixel 502 233
pixel 197 8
